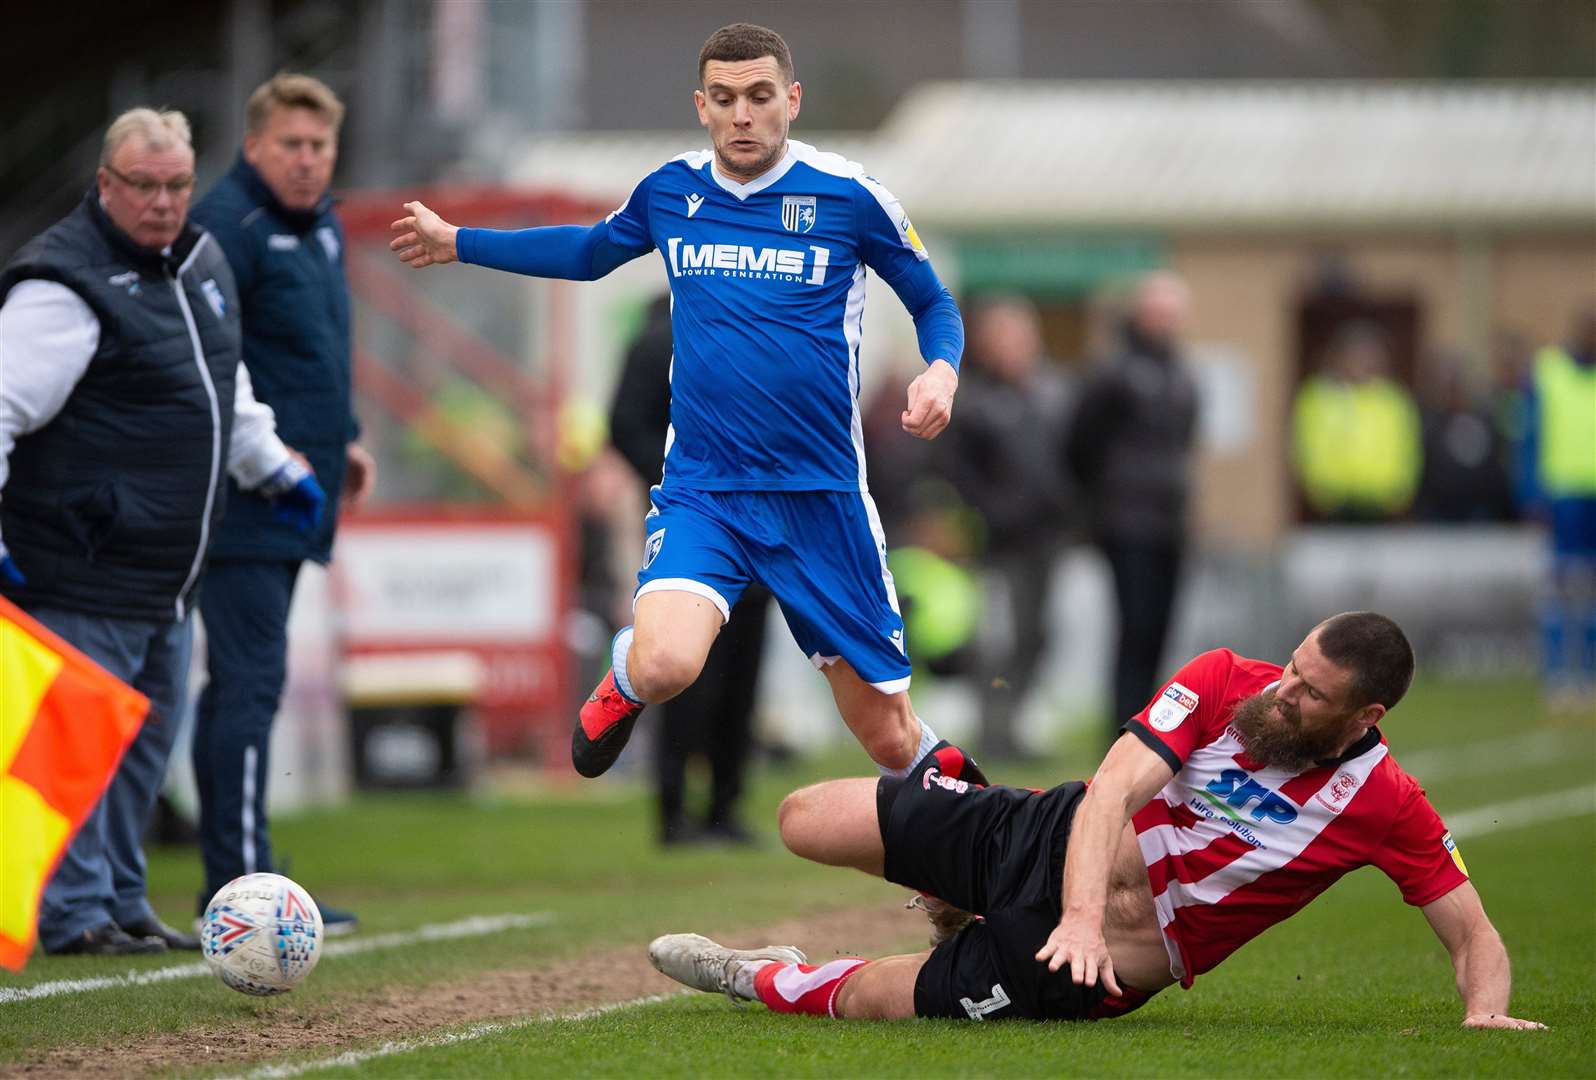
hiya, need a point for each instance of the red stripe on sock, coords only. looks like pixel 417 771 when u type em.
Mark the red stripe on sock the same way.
pixel 805 988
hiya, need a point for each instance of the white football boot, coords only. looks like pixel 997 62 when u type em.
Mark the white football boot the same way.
pixel 696 961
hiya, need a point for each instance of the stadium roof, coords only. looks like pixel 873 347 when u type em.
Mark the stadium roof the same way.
pixel 1193 156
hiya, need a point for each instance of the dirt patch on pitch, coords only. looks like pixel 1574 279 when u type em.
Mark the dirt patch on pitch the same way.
pixel 558 989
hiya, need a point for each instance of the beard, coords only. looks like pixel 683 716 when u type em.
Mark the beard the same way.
pixel 1278 739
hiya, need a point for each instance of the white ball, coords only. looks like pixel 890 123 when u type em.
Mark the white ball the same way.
pixel 261 934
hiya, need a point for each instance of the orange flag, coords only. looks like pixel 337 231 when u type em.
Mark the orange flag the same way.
pixel 64 725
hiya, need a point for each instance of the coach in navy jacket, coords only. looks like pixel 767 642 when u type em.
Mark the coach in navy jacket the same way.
pixel 274 218
pixel 290 272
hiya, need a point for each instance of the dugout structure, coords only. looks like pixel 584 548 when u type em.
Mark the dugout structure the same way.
pixel 467 558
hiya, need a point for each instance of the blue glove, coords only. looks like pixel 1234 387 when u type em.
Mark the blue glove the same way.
pixel 296 498
pixel 10 573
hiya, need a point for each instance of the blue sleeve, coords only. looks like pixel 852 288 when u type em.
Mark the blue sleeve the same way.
pixel 937 323
pixel 572 252
pixel 890 246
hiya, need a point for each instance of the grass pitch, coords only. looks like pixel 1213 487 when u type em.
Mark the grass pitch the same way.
pixel 1355 985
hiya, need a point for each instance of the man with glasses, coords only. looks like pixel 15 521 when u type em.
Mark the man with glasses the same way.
pixel 273 216
pixel 122 402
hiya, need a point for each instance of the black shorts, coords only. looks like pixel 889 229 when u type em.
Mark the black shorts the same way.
pixel 997 852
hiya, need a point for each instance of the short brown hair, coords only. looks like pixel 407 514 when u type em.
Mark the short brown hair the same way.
pixel 745 41
pixel 287 90
pixel 1375 650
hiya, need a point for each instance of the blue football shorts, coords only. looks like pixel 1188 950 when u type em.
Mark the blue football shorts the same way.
pixel 821 554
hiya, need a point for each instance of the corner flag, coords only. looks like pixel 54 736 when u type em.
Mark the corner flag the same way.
pixel 64 725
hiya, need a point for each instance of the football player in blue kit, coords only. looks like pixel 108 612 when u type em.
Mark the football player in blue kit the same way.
pixel 765 242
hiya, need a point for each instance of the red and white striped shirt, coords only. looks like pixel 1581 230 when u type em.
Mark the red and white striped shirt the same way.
pixel 1232 849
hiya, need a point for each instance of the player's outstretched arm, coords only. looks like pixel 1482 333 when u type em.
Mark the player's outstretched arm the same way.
pixel 931 400
pixel 1478 956
pixel 1130 775
pixel 424 238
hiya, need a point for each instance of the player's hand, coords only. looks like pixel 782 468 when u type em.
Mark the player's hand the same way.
pixel 1084 951
pixel 1497 1020
pixel 424 238
pixel 931 400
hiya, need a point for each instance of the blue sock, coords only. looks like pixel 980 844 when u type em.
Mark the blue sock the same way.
pixel 619 647
pixel 928 739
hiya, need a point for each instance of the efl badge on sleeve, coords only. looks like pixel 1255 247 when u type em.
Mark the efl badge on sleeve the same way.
pixel 1172 707
pixel 798 213
pixel 910 235
pixel 1457 856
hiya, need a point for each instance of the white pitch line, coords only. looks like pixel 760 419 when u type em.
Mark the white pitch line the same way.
pixel 1493 756
pixel 476 926
pixel 448 1038
pixel 1516 813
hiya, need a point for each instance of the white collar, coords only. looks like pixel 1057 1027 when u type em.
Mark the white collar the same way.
pixel 758 183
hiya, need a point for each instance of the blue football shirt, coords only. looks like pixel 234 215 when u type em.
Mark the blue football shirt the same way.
pixel 767 283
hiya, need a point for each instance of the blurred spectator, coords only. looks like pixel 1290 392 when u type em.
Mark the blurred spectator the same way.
pixel 606 495
pixel 272 213
pixel 932 535
pixel 713 716
pixel 123 397
pixel 1002 457
pixel 1465 475
pixel 1561 441
pixel 1512 366
pixel 1130 445
pixel 1355 432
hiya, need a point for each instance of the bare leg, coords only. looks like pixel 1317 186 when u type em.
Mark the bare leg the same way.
pixel 882 989
pixel 671 635
pixel 834 823
pixel 884 724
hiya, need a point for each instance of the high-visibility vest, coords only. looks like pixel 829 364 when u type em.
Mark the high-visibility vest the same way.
pixel 1565 395
pixel 1356 445
pixel 944 601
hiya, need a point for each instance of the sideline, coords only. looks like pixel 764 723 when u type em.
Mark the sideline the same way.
pixel 448 1038
pixel 475 926
pixel 1516 813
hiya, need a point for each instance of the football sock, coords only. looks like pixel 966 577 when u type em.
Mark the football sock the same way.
pixel 928 739
pixel 801 988
pixel 954 762
pixel 619 647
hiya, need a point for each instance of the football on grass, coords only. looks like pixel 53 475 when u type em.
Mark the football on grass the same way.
pixel 261 934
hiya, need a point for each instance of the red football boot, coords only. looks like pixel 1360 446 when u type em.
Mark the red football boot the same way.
pixel 602 728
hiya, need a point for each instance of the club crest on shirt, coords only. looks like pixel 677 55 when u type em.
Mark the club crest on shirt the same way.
pixel 1172 707
pixel 798 213
pixel 1335 795
pixel 329 241
pixel 213 296
pixel 651 546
